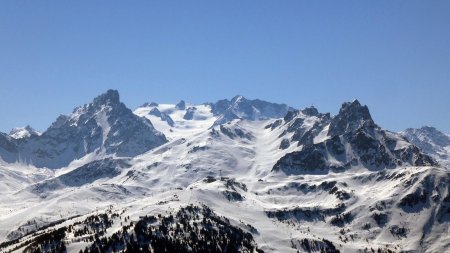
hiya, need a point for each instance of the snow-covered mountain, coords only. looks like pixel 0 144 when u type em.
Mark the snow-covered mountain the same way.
pixel 23 132
pixel 241 108
pixel 348 140
pixel 431 141
pixel 105 127
pixel 231 176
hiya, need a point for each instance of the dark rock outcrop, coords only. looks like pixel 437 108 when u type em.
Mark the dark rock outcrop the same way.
pixel 353 140
pixel 241 108
pixel 105 125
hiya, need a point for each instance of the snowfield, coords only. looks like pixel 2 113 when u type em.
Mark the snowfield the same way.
pixel 257 173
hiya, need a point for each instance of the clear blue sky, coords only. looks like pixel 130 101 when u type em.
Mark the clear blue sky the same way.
pixel 393 56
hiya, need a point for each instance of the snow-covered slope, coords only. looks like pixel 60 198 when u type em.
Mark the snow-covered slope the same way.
pixel 242 108
pixel 23 132
pixel 243 185
pixel 352 140
pixel 8 148
pixel 173 122
pixel 431 141
pixel 184 119
pixel 105 127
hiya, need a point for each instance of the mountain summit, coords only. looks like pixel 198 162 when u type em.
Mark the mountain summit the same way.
pixel 104 126
pixel 242 108
pixel 23 132
pixel 431 141
pixel 352 140
pixel 351 116
pixel 222 177
pixel 110 97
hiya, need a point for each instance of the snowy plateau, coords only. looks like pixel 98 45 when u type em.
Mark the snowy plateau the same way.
pixel 235 175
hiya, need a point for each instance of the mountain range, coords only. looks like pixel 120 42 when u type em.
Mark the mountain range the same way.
pixel 236 175
pixel 431 141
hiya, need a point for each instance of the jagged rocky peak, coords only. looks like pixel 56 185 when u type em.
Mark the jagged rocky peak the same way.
pixel 118 126
pixel 355 111
pixel 60 120
pixel 431 141
pixel 351 116
pixel 238 99
pixel 23 132
pixel 189 115
pixel 358 149
pixel 111 97
pixel 105 126
pixel 151 104
pixel 181 105
pixel 220 106
pixel 108 102
pixel 427 134
pixel 305 124
pixel 305 112
pixel 163 116
pixel 310 111
pixel 242 108
pixel 291 115
pixel 7 143
pixel 155 112
pixel 95 113
pixel 354 140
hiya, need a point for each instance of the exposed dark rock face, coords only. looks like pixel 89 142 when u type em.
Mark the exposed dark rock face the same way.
pixel 426 136
pixel 232 196
pixel 351 117
pixel 220 106
pixel 189 115
pixel 162 116
pixel 105 125
pixel 7 143
pixel 290 115
pixel 353 139
pixel 155 112
pixel 411 201
pixel 86 174
pixel 299 123
pixel 431 142
pixel 235 132
pixel 306 137
pixel 285 143
pixel 310 111
pixel 275 124
pixel 310 159
pixel 181 105
pixel 151 104
pixel 242 108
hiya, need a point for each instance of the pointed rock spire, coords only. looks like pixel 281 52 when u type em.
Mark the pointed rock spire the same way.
pixel 110 97
pixel 181 105
pixel 351 116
